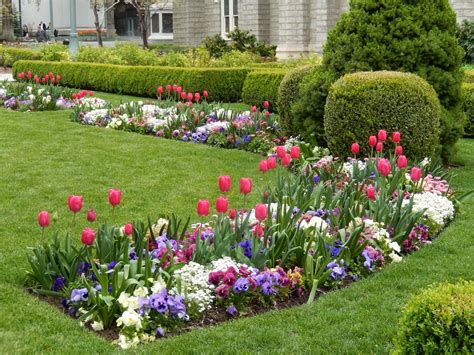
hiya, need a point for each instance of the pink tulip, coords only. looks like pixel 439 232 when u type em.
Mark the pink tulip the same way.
pixel 263 166
pixel 205 94
pixel 271 163
pixel 245 186
pixel 415 174
pixel 286 161
pixel 382 135
pixel 222 204
pixel 398 150
pixel 295 152
pixel 383 167
pixel 281 151
pixel 371 193
pixel 114 197
pixel 261 212
pixel 197 97
pixel 254 109
pixel 159 90
pixel 372 141
pixel 396 137
pixel 402 162
pixel 88 236
pixel 128 229
pixel 203 208
pixel 224 183
pixel 74 203
pixel 379 147
pixel 168 87
pixel 190 96
pixel 43 219
pixel 232 213
pixel 91 215
pixel 266 104
pixel 258 230
pixel 355 149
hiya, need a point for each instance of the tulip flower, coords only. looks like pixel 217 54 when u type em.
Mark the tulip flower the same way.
pixel 398 150
pixel 179 89
pixel 258 230
pixel 355 149
pixel 396 137
pixel 261 212
pixel 254 109
pixel 74 203
pixel 232 213
pixel 267 113
pixel 205 94
pixel 203 208
pixel 58 78
pixel 88 236
pixel 43 219
pixel 190 96
pixel 371 193
pixel 295 152
pixel 183 95
pixel 263 166
pixel 379 147
pixel 245 186
pixel 128 229
pixel 222 204
pixel 175 87
pixel 382 135
pixel 402 162
pixel 197 97
pixel 168 87
pixel 28 75
pixel 281 151
pixel 415 174
pixel 266 104
pixel 383 167
pixel 91 215
pixel 271 163
pixel 286 161
pixel 159 90
pixel 372 141
pixel 224 183
pixel 114 197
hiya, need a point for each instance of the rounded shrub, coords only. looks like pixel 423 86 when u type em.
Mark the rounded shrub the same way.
pixel 262 85
pixel 468 105
pixel 362 103
pixel 438 320
pixel 287 93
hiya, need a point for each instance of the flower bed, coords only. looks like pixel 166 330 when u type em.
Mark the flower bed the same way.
pixel 32 93
pixel 326 225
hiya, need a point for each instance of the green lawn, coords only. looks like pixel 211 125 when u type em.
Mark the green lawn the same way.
pixel 44 157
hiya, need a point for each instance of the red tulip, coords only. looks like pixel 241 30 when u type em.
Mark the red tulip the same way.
pixel 168 87
pixel 222 204
pixel 36 78
pixel 263 166
pixel 183 95
pixel 267 113
pixel 114 197
pixel 232 213
pixel 266 104
pixel 203 208
pixel 51 75
pixel 28 75
pixel 379 147
pixel 159 90
pixel 175 87
pixel 43 80
pixel 128 229
pixel 74 203
pixel 205 94
pixel 371 193
pixel 281 151
pixel 261 212
pixel 382 135
pixel 245 185
pixel 286 161
pixel 402 162
pixel 197 97
pixel 190 96
pixel 383 167
pixel 224 183
pixel 372 141
pixel 254 109
pixel 58 77
pixel 398 150
pixel 271 163
pixel 91 93
pixel 43 219
pixel 88 236
pixel 21 75
pixel 355 149
pixel 258 231
pixel 179 89
pixel 415 174
pixel 396 137
pixel 91 215
pixel 295 152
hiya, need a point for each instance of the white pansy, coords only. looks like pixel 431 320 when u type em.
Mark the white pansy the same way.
pixel 158 285
pixel 123 299
pixel 395 257
pixel 141 292
pixel 127 343
pixel 317 222
pixel 130 318
pixel 97 326
pixel 394 246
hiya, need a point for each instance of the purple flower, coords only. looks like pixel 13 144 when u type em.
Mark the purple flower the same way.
pixel 338 272
pixel 160 333
pixel 111 265
pixel 267 289
pixel 79 295
pixel 58 283
pixel 231 310
pixel 158 303
pixel 316 179
pixel 241 285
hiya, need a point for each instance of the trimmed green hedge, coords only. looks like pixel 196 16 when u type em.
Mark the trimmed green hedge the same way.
pixel 469 76
pixel 263 86
pixel 360 104
pixel 468 105
pixel 222 84
pixel 9 55
pixel 438 320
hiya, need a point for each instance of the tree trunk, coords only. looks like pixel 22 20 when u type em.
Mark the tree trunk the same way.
pixel 97 24
pixel 142 17
pixel 7 20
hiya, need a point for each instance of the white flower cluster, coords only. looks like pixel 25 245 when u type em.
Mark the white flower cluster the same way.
pixel 92 103
pixel 382 236
pixel 213 127
pixel 197 290
pixel 224 263
pixel 3 92
pixel 439 209
pixel 91 117
pixel 348 167
pixel 317 222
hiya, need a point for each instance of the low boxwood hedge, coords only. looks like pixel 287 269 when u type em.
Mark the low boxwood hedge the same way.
pixel 263 85
pixel 469 76
pixel 9 55
pixel 360 104
pixel 438 320
pixel 468 105
pixel 222 84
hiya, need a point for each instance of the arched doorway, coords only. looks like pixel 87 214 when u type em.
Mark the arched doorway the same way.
pixel 126 20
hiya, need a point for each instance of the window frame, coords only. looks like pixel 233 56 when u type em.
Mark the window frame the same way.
pixel 160 35
pixel 231 16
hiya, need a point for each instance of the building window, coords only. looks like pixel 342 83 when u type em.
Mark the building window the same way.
pixel 230 16
pixel 162 25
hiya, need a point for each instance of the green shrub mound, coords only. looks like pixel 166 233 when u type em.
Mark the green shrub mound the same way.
pixel 469 76
pixel 465 35
pixel 360 104
pixel 400 35
pixel 287 93
pixel 468 105
pixel 262 85
pixel 438 320
pixel 222 84
pixel 8 56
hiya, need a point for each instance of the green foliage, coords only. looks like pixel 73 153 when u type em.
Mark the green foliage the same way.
pixel 88 54
pixel 132 54
pixel 469 76
pixel 216 46
pixel 438 320
pixel 9 55
pixel 360 104
pixel 222 84
pixel 54 52
pixel 262 86
pixel 465 35
pixel 288 92
pixel 468 104
pixel 405 35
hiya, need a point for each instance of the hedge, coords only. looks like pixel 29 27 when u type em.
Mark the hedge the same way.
pixel 360 104
pixel 468 105
pixel 263 85
pixel 288 92
pixel 9 55
pixel 438 320
pixel 469 76
pixel 222 84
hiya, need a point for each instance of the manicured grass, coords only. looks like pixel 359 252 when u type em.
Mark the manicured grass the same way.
pixel 44 157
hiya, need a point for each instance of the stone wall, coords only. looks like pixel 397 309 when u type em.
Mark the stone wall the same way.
pixel 464 9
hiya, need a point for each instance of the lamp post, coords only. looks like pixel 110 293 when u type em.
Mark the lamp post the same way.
pixel 51 21
pixel 73 42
